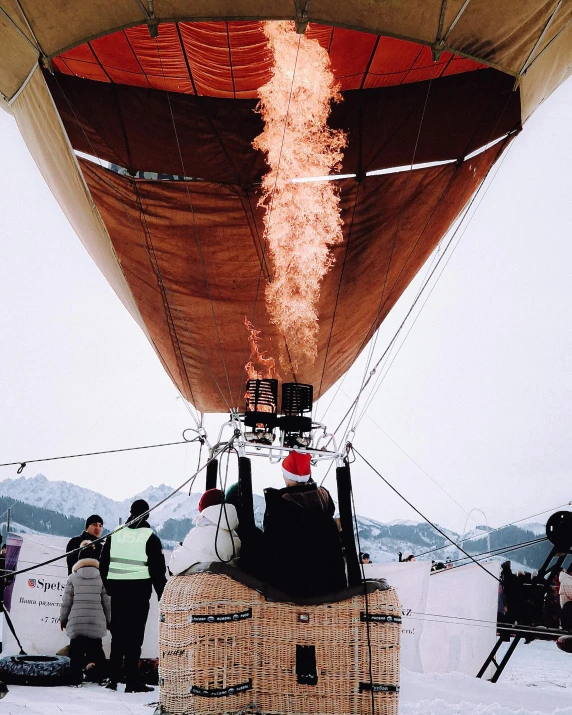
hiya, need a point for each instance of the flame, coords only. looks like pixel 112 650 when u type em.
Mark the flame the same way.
pixel 258 367
pixel 302 220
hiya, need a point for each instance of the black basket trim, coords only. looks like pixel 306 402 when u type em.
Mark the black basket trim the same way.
pixel 378 688
pixel 378 618
pixel 221 617
pixel 220 692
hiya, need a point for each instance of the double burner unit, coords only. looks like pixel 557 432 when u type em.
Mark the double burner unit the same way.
pixel 261 417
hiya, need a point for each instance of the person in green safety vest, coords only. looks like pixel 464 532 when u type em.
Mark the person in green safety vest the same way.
pixel 131 565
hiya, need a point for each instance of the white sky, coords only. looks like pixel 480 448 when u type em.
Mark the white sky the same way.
pixel 479 396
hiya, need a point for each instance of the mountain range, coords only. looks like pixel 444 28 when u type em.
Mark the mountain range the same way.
pixel 59 508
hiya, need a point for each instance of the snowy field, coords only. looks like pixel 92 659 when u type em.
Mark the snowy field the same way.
pixel 538 681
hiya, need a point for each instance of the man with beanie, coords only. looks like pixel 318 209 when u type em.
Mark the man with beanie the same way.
pixel 131 565
pixel 302 543
pixel 93 530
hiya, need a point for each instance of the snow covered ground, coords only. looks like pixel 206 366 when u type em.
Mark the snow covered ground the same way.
pixel 538 681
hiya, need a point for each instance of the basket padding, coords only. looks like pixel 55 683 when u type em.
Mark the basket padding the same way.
pixel 274 594
pixel 225 648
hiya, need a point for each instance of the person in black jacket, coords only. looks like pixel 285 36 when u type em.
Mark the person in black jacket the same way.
pixel 131 565
pixel 302 543
pixel 93 530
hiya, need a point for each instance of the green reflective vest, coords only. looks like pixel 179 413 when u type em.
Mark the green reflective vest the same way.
pixel 128 556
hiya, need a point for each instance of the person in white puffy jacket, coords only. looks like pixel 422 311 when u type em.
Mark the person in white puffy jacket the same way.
pixel 213 537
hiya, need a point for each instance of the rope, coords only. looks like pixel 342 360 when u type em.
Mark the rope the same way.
pixel 492 531
pixel 440 531
pixel 478 623
pixel 92 454
pixel 144 515
pixel 501 550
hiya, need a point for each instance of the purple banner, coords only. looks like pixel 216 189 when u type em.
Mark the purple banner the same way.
pixel 13 546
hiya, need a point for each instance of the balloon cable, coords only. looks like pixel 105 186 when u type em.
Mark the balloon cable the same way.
pixel 144 515
pixel 415 509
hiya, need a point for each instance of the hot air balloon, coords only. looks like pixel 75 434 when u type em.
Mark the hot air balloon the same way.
pixel 163 89
pixel 141 116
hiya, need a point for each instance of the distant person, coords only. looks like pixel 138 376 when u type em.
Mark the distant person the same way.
pixel 565 593
pixel 85 613
pixel 510 591
pixel 213 537
pixel 406 557
pixel 551 610
pixel 303 549
pixel 131 565
pixel 365 558
pixel 92 532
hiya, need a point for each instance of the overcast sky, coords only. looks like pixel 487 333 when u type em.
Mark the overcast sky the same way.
pixel 479 396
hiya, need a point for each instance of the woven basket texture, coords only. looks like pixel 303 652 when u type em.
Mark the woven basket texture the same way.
pixel 258 652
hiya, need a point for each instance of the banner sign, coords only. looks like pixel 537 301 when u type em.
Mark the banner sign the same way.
pixel 36 597
pixel 411 581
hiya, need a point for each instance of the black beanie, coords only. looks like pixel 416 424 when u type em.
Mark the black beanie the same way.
pixel 93 519
pixel 139 507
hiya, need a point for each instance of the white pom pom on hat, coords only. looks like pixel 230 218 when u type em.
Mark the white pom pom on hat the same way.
pixel 296 467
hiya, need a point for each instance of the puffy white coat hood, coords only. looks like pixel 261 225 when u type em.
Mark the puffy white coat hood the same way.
pixel 565 587
pixel 215 523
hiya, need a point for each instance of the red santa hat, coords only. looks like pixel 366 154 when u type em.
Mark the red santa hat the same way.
pixel 211 497
pixel 296 467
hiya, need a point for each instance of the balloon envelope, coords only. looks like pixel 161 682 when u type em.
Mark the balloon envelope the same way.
pixel 174 222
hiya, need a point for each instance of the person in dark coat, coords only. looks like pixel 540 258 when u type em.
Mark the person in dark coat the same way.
pixel 131 565
pixel 302 543
pixel 92 532
pixel 510 592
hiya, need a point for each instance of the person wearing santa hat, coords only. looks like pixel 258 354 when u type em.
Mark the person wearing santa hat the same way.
pixel 214 537
pixel 302 543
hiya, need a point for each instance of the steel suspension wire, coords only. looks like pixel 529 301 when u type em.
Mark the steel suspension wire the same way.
pixel 354 408
pixel 196 229
pixel 483 555
pixel 121 201
pixel 418 466
pixel 477 623
pixel 395 235
pixel 411 309
pixel 338 293
pixel 382 377
pixel 144 515
pixel 437 529
pixel 492 531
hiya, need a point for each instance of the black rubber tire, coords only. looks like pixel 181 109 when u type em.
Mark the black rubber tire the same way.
pixel 43 670
pixel 565 643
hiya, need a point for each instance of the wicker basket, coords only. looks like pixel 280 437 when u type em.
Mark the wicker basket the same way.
pixel 224 648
